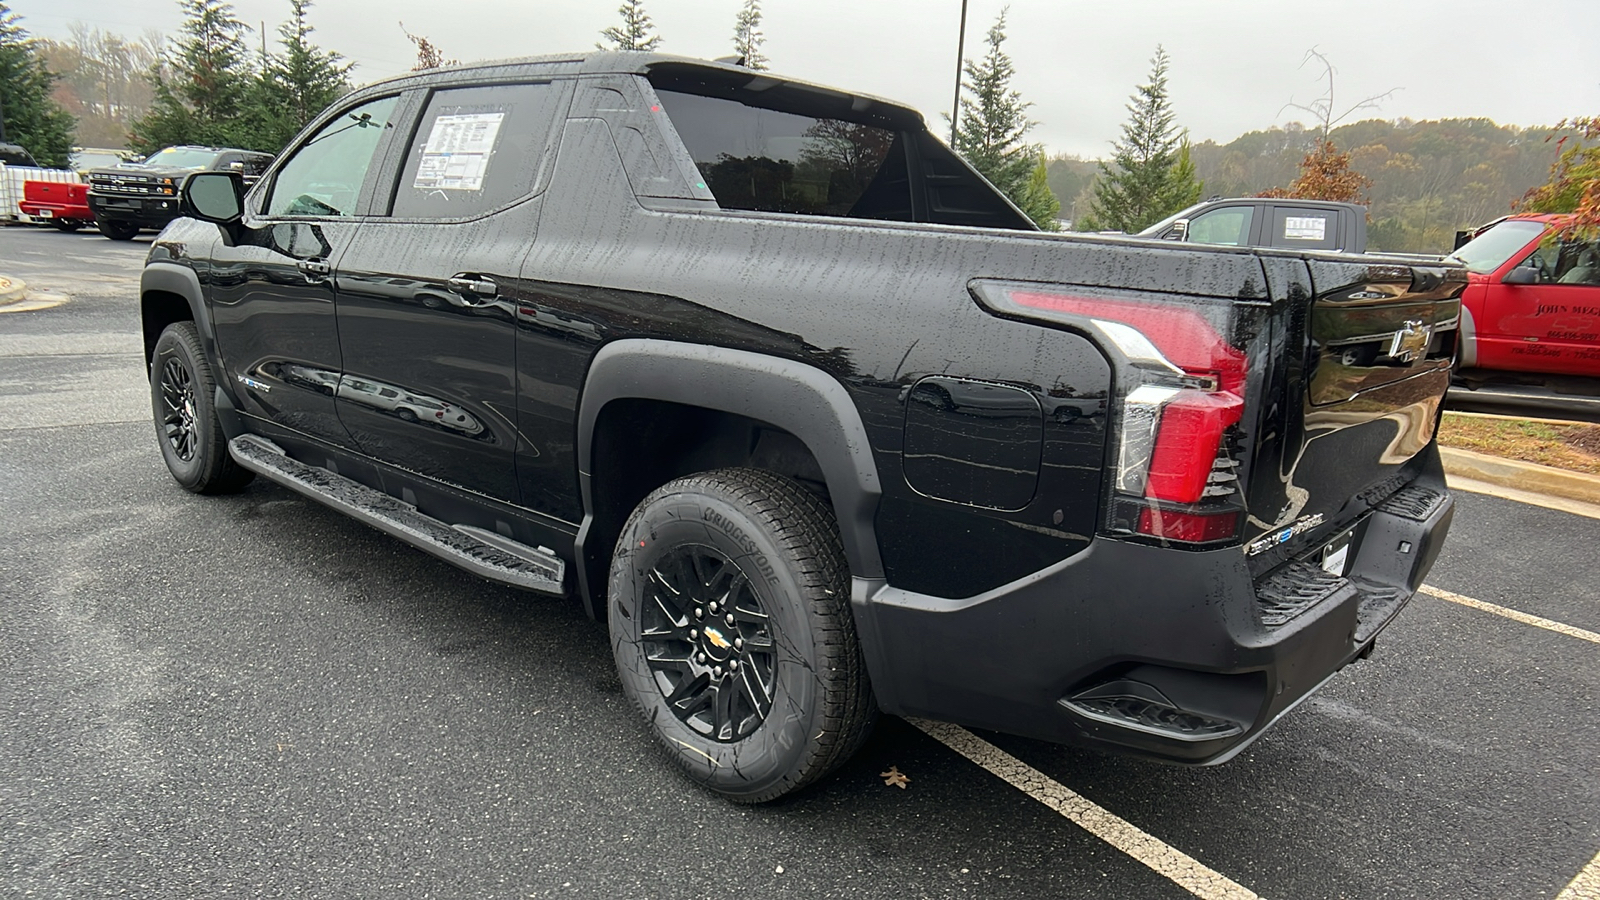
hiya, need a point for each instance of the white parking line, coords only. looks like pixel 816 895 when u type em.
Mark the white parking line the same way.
pixel 1515 615
pixel 1586 886
pixel 1182 869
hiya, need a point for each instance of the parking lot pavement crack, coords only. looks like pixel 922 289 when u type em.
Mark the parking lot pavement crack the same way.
pixel 1161 857
pixel 1512 614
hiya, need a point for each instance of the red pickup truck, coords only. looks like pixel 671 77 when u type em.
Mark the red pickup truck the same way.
pixel 64 203
pixel 1532 303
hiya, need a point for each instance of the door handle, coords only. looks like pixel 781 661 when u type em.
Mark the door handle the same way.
pixel 466 284
pixel 314 269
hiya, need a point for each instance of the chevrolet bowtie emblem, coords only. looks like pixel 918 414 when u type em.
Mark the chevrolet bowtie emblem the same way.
pixel 716 639
pixel 1411 341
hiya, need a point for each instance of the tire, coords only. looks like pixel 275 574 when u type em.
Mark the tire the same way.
pixel 187 429
pixel 117 231
pixel 67 225
pixel 751 548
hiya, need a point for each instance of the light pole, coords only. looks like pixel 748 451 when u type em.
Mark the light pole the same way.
pixel 961 48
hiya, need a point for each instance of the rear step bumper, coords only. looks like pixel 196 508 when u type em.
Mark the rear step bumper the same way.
pixel 1171 654
pixel 483 553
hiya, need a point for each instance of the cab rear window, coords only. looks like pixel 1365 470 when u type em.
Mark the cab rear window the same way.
pixel 772 161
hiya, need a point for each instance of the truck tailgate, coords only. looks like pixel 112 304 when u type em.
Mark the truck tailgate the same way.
pixel 1367 358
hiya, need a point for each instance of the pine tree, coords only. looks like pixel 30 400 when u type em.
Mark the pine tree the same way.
pixel 202 92
pixel 747 36
pixel 992 122
pixel 634 33
pixel 27 114
pixel 294 85
pixel 1151 176
pixel 1038 200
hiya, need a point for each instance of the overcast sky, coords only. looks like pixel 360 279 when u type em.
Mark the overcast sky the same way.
pixel 1234 63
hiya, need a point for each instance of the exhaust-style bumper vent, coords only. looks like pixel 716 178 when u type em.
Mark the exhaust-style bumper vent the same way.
pixel 1136 705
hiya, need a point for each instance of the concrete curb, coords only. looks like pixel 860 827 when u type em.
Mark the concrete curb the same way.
pixel 1522 476
pixel 12 290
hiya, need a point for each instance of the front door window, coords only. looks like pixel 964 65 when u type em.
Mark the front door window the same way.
pixel 325 175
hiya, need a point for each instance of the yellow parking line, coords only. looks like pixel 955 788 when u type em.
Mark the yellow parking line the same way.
pixel 1586 886
pixel 1166 860
pixel 1515 615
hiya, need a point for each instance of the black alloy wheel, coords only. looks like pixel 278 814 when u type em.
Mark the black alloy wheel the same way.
pixel 182 389
pixel 708 642
pixel 177 409
pixel 729 600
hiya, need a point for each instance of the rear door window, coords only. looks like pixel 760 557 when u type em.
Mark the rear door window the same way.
pixel 1304 229
pixel 477 149
pixel 766 160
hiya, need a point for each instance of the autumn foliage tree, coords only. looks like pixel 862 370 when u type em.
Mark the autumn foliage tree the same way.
pixel 1574 185
pixel 1325 174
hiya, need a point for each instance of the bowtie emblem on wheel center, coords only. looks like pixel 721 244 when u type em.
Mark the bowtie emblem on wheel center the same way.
pixel 715 638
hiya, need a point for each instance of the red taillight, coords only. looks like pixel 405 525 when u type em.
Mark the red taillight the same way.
pixel 1191 429
pixel 1174 477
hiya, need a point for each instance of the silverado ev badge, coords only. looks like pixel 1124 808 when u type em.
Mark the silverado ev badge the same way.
pixel 1411 341
pixel 1273 539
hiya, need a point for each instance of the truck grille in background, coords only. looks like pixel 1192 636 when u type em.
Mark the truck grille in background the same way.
pixel 130 185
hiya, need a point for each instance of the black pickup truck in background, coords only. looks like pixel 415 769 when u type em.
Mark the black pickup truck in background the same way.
pixel 774 384
pixel 1267 222
pixel 132 196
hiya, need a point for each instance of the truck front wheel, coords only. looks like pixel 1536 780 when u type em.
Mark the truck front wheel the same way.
pixel 181 391
pixel 731 627
pixel 117 231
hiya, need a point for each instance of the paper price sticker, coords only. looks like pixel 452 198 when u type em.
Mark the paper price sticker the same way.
pixel 456 157
pixel 1305 228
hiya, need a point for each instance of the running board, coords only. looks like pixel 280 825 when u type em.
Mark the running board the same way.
pixel 484 553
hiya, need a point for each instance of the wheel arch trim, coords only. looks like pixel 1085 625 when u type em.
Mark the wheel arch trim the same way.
pixel 799 398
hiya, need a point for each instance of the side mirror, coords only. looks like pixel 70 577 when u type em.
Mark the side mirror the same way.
pixel 214 197
pixel 1521 275
pixel 1178 232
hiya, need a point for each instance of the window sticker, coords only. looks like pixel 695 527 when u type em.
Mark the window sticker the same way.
pixel 1305 228
pixel 456 157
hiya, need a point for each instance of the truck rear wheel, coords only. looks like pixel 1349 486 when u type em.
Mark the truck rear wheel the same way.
pixel 730 623
pixel 191 438
pixel 117 231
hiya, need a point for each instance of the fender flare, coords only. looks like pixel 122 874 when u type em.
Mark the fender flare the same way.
pixel 172 278
pixel 799 398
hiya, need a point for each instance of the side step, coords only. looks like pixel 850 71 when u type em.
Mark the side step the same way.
pixel 481 552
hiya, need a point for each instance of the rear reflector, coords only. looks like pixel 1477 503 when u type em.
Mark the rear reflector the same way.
pixel 1196 528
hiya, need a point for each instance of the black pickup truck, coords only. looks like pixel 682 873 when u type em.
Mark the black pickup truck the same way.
pixel 778 387
pixel 1267 222
pixel 131 196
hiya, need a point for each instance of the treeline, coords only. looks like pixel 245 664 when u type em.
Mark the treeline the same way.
pixel 1429 178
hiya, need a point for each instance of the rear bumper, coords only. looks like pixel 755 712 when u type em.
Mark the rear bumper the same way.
pixel 1156 652
pixel 146 212
pixel 40 210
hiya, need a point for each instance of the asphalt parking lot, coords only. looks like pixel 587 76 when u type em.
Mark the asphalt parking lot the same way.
pixel 252 696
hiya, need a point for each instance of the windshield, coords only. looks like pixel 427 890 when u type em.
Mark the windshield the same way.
pixel 90 160
pixel 1489 251
pixel 182 158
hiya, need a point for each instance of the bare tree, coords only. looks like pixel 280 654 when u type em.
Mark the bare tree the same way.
pixel 1322 109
